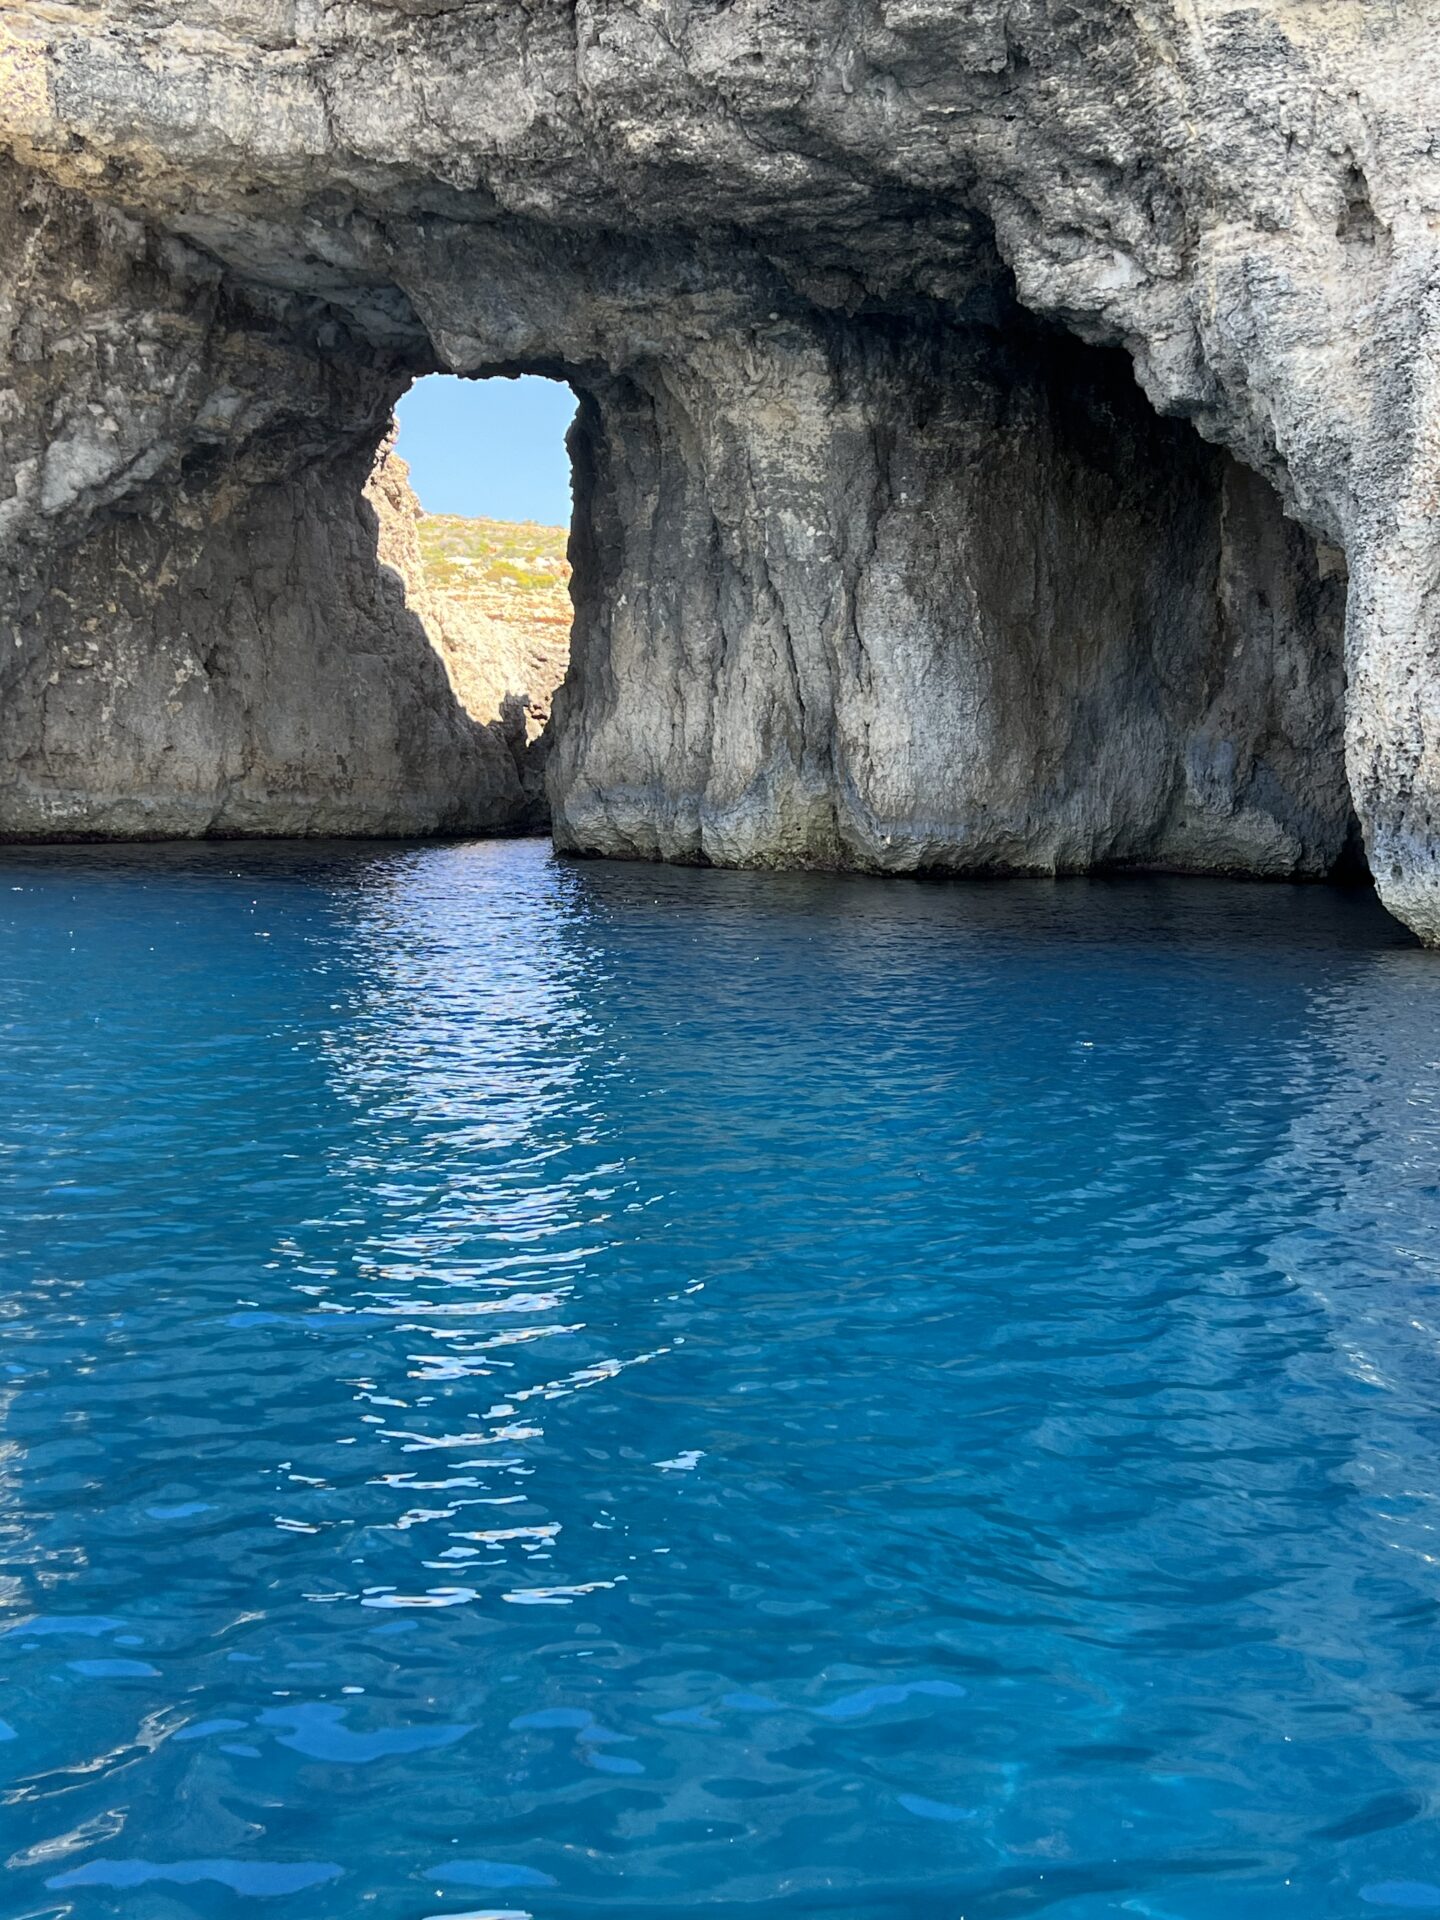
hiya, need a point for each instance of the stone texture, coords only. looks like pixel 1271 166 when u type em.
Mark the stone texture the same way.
pixel 923 598
pixel 197 634
pixel 799 261
pixel 502 672
pixel 499 598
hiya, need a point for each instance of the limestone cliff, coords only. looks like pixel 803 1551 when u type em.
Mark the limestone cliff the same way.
pixel 911 598
pixel 882 555
pixel 196 635
pixel 500 594
pixel 504 643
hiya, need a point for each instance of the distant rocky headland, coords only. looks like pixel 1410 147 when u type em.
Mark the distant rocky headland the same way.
pixel 1008 434
pixel 501 590
pixel 494 599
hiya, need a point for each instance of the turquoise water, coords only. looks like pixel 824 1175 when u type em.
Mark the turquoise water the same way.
pixel 595 1390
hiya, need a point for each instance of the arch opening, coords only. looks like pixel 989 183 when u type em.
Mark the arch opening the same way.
pixel 916 587
pixel 471 487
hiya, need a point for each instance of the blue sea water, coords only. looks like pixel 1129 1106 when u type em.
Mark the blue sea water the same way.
pixel 555 1389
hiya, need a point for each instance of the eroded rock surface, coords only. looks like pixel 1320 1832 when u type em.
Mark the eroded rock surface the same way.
pixel 881 557
pixel 504 649
pixel 197 634
pixel 919 598
pixel 500 594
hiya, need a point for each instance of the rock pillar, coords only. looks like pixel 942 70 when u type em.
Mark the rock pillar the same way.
pixel 898 596
pixel 1393 638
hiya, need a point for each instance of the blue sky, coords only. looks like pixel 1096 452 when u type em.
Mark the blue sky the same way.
pixel 494 448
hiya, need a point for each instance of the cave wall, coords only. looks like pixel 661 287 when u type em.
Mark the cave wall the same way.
pixel 721 221
pixel 264 675
pixel 907 596
pixel 197 634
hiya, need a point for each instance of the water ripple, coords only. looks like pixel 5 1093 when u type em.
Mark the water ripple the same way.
pixel 644 1391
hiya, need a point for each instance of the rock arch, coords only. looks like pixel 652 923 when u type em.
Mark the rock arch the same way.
pixel 882 559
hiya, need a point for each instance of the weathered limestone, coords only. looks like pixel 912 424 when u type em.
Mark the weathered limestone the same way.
pixel 1394 695
pixel 872 567
pixel 504 642
pixel 928 598
pixel 195 632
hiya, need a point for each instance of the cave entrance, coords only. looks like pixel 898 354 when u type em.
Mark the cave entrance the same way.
pixel 475 507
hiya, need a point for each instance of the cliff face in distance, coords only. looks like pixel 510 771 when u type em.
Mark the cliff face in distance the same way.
pixel 1008 432
pixel 493 597
pixel 501 590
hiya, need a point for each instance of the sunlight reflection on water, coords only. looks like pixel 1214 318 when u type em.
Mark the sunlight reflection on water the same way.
pixel 667 1389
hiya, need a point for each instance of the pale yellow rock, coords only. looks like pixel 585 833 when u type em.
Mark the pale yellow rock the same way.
pixel 494 596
